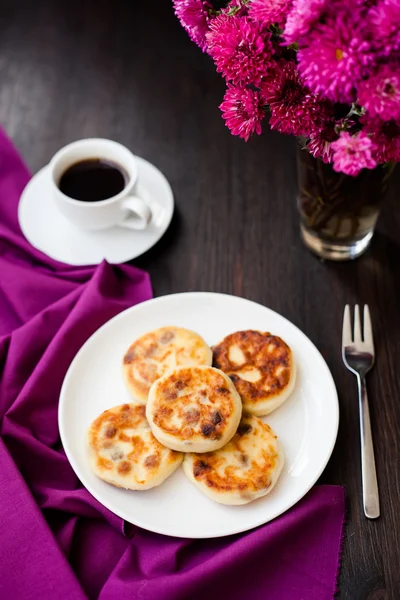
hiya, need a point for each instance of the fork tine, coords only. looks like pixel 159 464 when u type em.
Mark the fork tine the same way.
pixel 357 325
pixel 368 337
pixel 346 335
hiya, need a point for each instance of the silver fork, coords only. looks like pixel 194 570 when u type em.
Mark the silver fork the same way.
pixel 358 356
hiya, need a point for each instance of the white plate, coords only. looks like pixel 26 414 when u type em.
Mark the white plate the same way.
pixel 306 424
pixel 49 231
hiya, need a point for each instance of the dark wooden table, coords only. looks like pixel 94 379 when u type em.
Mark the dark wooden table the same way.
pixel 125 69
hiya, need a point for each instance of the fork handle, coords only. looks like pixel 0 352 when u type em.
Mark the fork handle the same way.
pixel 369 481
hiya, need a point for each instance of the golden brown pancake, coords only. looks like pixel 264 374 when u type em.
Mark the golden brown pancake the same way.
pixel 124 452
pixel 245 469
pixel 260 365
pixel 159 351
pixel 194 409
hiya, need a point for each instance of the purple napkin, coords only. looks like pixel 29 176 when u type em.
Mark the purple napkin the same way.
pixel 56 541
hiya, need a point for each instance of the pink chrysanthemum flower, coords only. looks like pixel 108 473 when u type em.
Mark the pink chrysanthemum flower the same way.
pixel 241 49
pixel 193 16
pixel 243 112
pixel 334 57
pixel 380 93
pixel 320 143
pixel 383 23
pixel 269 12
pixel 301 17
pixel 385 136
pixel 351 154
pixel 294 109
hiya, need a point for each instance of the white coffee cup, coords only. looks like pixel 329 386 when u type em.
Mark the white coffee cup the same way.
pixel 127 209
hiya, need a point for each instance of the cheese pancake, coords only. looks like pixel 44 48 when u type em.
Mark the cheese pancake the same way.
pixel 260 365
pixel 124 452
pixel 159 351
pixel 194 409
pixel 245 469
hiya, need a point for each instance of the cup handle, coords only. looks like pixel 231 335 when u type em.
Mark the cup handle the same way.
pixel 139 213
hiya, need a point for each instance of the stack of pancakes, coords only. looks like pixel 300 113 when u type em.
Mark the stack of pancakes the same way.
pixel 199 406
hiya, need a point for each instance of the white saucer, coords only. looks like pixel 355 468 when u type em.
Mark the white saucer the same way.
pixel 49 231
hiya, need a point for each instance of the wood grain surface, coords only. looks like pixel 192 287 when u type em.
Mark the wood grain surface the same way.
pixel 125 69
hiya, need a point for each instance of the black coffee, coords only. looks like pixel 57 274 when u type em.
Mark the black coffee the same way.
pixel 92 180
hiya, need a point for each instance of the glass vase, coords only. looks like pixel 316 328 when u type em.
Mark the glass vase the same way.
pixel 338 212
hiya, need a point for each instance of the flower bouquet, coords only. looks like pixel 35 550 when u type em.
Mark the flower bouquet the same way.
pixel 327 72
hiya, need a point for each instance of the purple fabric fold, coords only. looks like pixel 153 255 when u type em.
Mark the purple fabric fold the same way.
pixel 56 541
